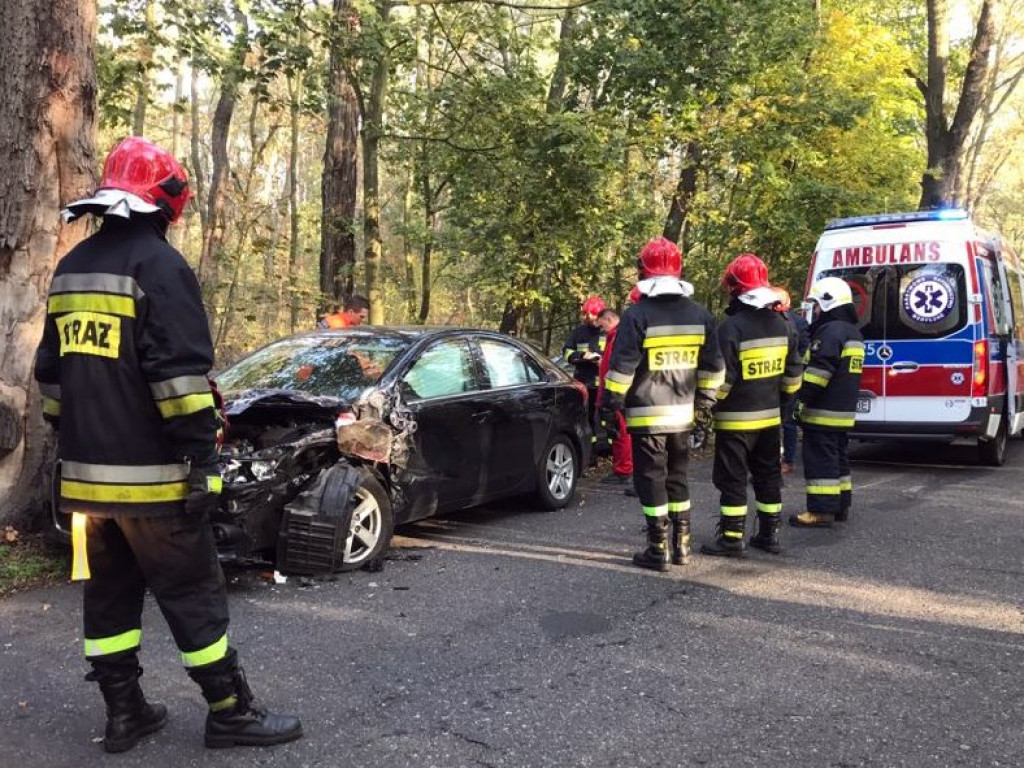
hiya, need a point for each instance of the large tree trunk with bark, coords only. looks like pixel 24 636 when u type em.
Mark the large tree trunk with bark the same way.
pixel 339 184
pixel 676 222
pixel 373 119
pixel 48 89
pixel 943 180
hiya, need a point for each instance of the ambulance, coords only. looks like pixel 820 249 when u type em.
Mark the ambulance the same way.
pixel 941 306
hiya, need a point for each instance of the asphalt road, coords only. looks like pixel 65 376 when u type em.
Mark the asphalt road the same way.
pixel 512 637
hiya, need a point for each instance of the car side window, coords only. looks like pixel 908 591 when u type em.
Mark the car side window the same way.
pixel 444 369
pixel 507 366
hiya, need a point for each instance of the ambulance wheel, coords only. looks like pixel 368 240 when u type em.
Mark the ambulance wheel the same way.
pixel 993 452
pixel 370 529
pixel 558 472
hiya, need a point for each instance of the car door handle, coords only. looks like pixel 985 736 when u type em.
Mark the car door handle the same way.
pixel 482 417
pixel 903 367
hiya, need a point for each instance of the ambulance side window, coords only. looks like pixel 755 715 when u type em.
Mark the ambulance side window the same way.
pixel 996 298
pixel 1017 300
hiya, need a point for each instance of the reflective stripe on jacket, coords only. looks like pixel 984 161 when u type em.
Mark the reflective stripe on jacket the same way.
pixel 831 380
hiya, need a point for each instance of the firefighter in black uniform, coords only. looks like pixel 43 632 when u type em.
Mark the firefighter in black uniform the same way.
pixel 122 368
pixel 762 371
pixel 664 364
pixel 583 351
pixel 827 402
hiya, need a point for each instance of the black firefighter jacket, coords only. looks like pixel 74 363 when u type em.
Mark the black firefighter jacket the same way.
pixel 665 356
pixel 122 368
pixel 584 338
pixel 762 368
pixel 828 397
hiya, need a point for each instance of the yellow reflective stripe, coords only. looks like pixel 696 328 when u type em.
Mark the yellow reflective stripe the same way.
pixel 614 386
pixel 214 484
pixel 679 506
pixel 753 424
pixel 852 353
pixel 104 646
pixel 659 421
pixel 51 407
pixel 827 421
pixel 689 340
pixel 211 653
pixel 220 706
pixel 734 511
pixel 183 406
pixel 791 389
pixel 817 376
pixel 769 509
pixel 79 553
pixel 846 483
pixel 659 511
pixel 91 302
pixel 710 380
pixel 853 348
pixel 822 487
pixel 126 494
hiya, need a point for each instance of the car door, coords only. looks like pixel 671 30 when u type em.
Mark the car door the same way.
pixel 521 404
pixel 446 464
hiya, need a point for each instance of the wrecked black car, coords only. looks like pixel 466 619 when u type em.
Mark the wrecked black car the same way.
pixel 335 437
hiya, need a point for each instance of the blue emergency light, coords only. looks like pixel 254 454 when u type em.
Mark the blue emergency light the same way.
pixel 939 214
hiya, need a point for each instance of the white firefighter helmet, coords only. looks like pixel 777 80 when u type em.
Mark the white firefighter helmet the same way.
pixel 830 292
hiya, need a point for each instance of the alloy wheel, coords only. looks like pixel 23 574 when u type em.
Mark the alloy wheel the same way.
pixel 560 470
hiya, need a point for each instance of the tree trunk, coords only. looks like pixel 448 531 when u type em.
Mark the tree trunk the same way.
pixel 213 237
pixel 942 182
pixel 339 184
pixel 48 88
pixel 294 246
pixel 373 116
pixel 676 223
pixel 145 58
pixel 409 257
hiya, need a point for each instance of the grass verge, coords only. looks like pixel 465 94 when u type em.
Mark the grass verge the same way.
pixel 29 561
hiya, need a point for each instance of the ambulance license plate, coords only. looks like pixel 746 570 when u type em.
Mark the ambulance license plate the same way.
pixel 863 405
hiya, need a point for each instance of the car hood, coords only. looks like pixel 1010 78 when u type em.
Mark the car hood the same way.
pixel 238 403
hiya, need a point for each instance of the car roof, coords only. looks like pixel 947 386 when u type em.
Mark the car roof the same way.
pixel 408 332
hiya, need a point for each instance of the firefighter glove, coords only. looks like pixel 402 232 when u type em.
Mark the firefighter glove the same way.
pixel 798 410
pixel 204 485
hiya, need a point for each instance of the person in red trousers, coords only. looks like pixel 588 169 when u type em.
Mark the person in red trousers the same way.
pixel 622 444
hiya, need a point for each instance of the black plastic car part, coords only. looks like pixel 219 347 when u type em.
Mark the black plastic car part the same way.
pixel 315 526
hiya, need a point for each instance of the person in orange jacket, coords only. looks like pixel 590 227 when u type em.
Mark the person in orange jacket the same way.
pixel 355 312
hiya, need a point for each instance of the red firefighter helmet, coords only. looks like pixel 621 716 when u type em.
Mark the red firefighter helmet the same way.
pixel 660 257
pixel 594 305
pixel 153 174
pixel 745 273
pixel 634 294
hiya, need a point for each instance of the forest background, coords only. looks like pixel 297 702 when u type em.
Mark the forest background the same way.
pixel 522 152
pixel 489 162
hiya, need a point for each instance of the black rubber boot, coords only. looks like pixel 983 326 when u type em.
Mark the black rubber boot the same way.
pixel 845 502
pixel 235 718
pixel 680 537
pixel 767 536
pixel 728 538
pixel 655 556
pixel 129 715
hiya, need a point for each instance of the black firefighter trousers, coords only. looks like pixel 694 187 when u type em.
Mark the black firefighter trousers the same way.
pixel 176 558
pixel 659 473
pixel 756 454
pixel 827 471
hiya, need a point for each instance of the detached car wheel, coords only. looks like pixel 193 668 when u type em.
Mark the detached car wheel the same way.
pixel 370 527
pixel 557 473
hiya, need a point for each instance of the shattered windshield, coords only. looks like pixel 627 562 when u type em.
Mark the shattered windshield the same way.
pixel 337 366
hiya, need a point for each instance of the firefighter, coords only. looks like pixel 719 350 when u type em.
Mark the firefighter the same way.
pixel 827 402
pixel 803 337
pixel 762 371
pixel 123 367
pixel 356 310
pixel 583 351
pixel 665 364
pixel 622 446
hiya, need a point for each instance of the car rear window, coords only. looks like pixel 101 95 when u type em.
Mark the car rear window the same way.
pixel 338 366
pixel 909 301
